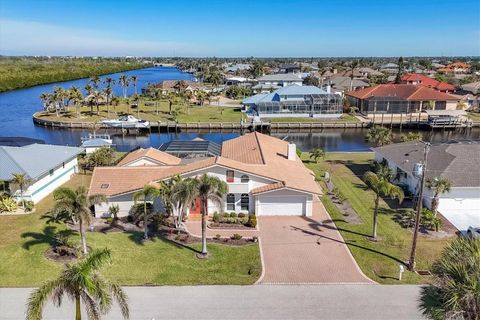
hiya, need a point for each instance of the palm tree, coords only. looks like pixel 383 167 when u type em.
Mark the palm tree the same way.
pixel 108 93
pixel 382 188
pixel 411 136
pixel 95 82
pixel 379 136
pixel 75 95
pixel 353 66
pixel 124 82
pixel 181 194
pixel 115 101
pixel 59 95
pixel 148 193
pixel 201 96
pixel 134 81
pixel 77 203
pixel 316 154
pixel 109 82
pixel 82 283
pixel 455 290
pixel 212 189
pixel 22 181
pixel 438 186
pixel 47 100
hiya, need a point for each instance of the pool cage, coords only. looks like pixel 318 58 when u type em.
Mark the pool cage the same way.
pixel 313 104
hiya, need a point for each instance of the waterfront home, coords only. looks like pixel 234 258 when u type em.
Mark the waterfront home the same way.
pixel 272 82
pixel 457 162
pixel 400 98
pixel 289 68
pixel 455 67
pixel 341 84
pixel 423 80
pixel 45 166
pixel 294 101
pixel 264 177
pixel 235 68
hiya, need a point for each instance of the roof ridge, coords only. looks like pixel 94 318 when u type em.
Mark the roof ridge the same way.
pixel 15 162
pixel 259 147
pixel 415 92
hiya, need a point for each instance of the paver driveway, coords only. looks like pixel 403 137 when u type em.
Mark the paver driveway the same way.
pixel 306 250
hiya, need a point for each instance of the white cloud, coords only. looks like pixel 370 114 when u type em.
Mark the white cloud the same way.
pixel 34 38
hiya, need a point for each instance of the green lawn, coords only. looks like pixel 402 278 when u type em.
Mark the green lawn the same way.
pixel 378 260
pixel 344 118
pixel 186 114
pixel 156 262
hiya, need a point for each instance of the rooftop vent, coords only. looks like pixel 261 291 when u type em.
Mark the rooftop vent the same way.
pixel 104 186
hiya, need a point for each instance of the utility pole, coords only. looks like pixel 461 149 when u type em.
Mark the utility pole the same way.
pixel 411 263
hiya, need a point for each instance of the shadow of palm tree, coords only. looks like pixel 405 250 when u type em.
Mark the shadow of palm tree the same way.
pixel 46 237
pixel 177 244
pixel 136 237
pixel 326 224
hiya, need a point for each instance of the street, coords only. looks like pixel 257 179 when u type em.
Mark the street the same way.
pixel 329 301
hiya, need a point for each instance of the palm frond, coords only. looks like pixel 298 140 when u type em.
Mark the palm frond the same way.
pixel 38 298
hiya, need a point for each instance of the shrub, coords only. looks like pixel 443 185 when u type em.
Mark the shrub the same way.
pixel 226 214
pixel 241 215
pixel 109 220
pixel 177 237
pixel 216 217
pixel 236 236
pixel 29 205
pixel 252 221
pixel 217 237
pixel 8 204
pixel 255 239
pixel 233 215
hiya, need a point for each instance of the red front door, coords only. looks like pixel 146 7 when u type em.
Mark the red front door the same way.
pixel 195 208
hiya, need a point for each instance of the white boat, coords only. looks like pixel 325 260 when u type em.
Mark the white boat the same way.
pixel 127 122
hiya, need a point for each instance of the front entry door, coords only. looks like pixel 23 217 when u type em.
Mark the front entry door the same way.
pixel 195 208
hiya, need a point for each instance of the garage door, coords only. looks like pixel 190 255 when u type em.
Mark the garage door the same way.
pixel 281 206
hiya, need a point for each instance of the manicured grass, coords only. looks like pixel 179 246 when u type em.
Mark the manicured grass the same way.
pixel 158 261
pixel 186 114
pixel 344 118
pixel 378 260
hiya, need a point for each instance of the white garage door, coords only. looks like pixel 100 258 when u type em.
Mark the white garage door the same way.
pixel 281 205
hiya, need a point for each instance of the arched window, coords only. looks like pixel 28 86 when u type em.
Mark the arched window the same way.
pixel 244 201
pixel 230 201
pixel 244 178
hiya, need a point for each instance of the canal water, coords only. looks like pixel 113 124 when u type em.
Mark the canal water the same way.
pixel 18 106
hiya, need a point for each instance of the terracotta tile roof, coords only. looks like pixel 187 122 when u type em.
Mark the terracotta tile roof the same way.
pixel 151 154
pixel 268 187
pixel 269 161
pixel 427 82
pixel 403 91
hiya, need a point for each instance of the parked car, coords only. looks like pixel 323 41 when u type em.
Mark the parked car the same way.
pixel 473 232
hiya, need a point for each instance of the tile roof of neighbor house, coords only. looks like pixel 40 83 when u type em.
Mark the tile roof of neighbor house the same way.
pixel 404 91
pixel 427 81
pixel 280 77
pixel 458 162
pixel 149 153
pixel 473 87
pixel 268 159
pixel 34 160
pixel 341 82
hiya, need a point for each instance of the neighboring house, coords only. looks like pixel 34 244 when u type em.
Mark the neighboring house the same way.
pixel 148 157
pixel 366 72
pixel 264 177
pixel 235 68
pixel 400 98
pixel 473 87
pixel 173 86
pixel 294 101
pixel 230 81
pixel 274 81
pixel 289 68
pixel 455 67
pixel 92 145
pixel 341 84
pixel 46 166
pixel 457 162
pixel 18 141
pixel 390 68
pixel 422 80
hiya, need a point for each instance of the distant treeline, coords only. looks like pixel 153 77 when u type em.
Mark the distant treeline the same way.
pixel 21 72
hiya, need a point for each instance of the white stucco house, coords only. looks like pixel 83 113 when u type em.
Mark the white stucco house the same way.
pixel 263 174
pixel 46 166
pixel 271 82
pixel 457 162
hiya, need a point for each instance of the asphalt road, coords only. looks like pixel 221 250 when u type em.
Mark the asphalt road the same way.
pixel 329 301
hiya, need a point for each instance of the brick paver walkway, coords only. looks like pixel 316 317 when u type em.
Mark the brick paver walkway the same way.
pixel 306 250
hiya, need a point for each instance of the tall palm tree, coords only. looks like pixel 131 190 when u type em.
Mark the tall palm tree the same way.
pixel 134 81
pixel 59 95
pixel 81 283
pixel 379 136
pixel 180 194
pixel 77 203
pixel 124 82
pixel 95 82
pixel 454 292
pixel 353 65
pixel 75 95
pixel 381 187
pixel 439 186
pixel 316 154
pixel 109 82
pixel 148 193
pixel 212 189
pixel 108 93
pixel 115 101
pixel 47 100
pixel 22 181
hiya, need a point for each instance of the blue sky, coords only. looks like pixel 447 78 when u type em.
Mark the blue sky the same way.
pixel 232 28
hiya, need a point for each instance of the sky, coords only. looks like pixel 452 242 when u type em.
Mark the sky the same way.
pixel 234 28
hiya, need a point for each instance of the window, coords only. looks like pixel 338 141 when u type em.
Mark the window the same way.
pixel 63 165
pixel 230 176
pixel 51 171
pixel 244 178
pixel 230 201
pixel 244 201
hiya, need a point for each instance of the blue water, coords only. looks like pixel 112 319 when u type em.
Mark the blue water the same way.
pixel 18 106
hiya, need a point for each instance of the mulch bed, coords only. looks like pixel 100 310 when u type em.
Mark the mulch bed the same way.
pixel 51 254
pixel 231 226
pixel 183 238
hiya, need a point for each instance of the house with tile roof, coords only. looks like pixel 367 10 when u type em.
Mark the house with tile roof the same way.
pixel 294 101
pixel 57 165
pixel 400 98
pixel 457 162
pixel 455 67
pixel 423 80
pixel 264 177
